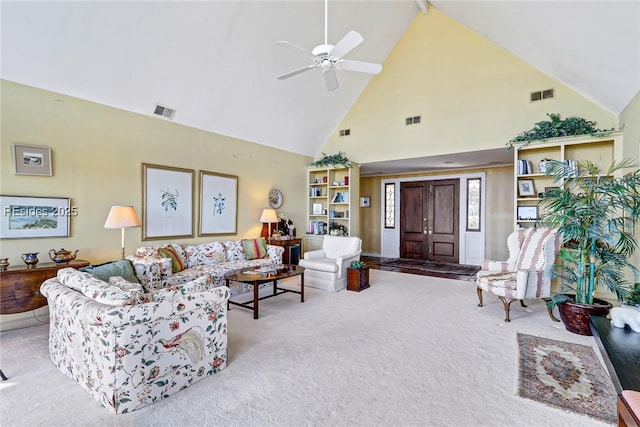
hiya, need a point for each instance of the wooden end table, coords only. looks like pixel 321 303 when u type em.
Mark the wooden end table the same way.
pixel 20 285
pixel 255 276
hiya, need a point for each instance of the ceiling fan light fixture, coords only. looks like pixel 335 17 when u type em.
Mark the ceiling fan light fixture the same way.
pixel 329 57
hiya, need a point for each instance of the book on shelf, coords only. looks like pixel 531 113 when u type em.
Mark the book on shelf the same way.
pixel 317 227
pixel 340 197
pixel 316 192
pixel 571 165
pixel 525 167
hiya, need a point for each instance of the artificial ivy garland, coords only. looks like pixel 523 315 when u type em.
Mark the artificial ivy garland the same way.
pixel 335 159
pixel 556 127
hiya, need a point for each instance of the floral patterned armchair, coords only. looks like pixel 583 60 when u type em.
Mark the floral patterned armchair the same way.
pixel 129 349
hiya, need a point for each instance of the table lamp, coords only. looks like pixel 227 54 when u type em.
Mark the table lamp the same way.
pixel 122 217
pixel 269 216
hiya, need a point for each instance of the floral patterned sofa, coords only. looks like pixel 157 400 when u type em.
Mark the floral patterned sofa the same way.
pixel 155 271
pixel 128 348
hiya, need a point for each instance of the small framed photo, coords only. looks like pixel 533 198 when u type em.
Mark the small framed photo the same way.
pixel 525 188
pixel 527 213
pixel 365 202
pixel 31 160
pixel 317 209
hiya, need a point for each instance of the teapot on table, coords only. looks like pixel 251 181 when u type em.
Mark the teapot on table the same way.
pixel 62 255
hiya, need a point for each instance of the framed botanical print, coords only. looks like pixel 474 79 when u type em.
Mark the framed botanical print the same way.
pixel 218 204
pixel 167 208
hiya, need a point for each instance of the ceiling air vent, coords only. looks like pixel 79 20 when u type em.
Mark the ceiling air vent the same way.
pixel 412 120
pixel 542 94
pixel 345 132
pixel 164 112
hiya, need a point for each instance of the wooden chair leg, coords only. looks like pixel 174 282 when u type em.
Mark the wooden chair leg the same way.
pixel 507 304
pixel 479 296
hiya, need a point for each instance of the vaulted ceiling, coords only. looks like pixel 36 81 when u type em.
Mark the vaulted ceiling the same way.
pixel 216 62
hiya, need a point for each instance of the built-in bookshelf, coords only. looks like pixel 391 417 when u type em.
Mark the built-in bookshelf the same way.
pixel 332 206
pixel 530 180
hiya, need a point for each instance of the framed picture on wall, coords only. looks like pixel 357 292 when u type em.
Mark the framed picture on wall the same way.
pixel 218 204
pixel 167 202
pixel 35 217
pixel 31 160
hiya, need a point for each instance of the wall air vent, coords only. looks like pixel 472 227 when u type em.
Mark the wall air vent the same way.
pixel 412 120
pixel 164 112
pixel 345 132
pixel 542 94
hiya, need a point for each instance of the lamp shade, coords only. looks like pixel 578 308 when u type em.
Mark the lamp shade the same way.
pixel 122 217
pixel 269 215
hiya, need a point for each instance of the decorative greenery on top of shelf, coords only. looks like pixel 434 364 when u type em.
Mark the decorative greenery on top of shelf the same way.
pixel 556 127
pixel 335 159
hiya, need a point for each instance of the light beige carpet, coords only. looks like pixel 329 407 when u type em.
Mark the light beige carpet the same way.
pixel 409 351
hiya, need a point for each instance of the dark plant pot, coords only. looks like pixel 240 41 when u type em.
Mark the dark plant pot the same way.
pixel 357 279
pixel 576 316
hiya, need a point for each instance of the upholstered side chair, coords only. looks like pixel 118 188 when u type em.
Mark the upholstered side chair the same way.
pixel 527 272
pixel 326 268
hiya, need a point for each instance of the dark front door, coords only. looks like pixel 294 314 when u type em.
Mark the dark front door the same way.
pixel 429 220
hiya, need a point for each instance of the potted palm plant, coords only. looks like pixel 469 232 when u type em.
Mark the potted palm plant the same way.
pixel 595 213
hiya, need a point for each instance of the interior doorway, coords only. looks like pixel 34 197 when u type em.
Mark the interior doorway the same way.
pixel 429 220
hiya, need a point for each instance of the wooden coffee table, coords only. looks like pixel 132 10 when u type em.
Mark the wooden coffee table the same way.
pixel 256 276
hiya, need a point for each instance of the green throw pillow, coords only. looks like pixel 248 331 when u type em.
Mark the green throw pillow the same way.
pixel 122 268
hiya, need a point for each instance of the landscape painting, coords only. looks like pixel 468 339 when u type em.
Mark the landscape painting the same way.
pixel 34 217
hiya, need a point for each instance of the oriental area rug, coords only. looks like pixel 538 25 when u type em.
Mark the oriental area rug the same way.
pixel 565 375
pixel 422 266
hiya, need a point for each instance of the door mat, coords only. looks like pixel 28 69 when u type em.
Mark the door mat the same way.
pixel 431 266
pixel 565 375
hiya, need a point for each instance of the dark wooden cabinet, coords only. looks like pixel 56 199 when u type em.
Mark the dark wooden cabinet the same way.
pixel 291 254
pixel 357 279
pixel 620 350
pixel 20 286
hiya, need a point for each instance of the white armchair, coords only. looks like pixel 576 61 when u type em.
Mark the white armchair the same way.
pixel 527 272
pixel 326 268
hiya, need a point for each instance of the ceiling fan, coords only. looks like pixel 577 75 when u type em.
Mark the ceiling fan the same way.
pixel 328 58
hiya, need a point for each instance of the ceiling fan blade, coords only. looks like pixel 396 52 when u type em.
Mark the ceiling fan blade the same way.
pixel 360 66
pixel 330 79
pixel 295 72
pixel 295 46
pixel 348 42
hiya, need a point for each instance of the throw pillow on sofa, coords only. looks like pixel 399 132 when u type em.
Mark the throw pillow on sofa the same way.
pixel 124 284
pixel 122 268
pixel 205 254
pixel 177 262
pixel 234 250
pixel 254 248
pixel 98 290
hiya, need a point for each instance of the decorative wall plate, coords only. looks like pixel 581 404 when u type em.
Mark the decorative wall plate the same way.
pixel 275 198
